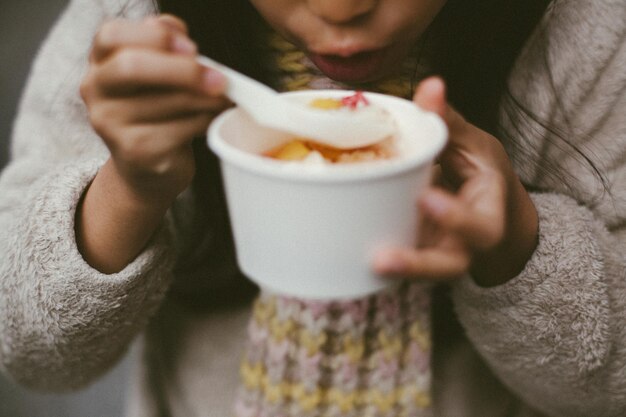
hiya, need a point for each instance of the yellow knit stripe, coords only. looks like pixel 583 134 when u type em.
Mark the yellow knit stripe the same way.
pixel 264 310
pixel 420 335
pixel 298 82
pixel 353 348
pixel 255 378
pixel 391 345
pixel 279 43
pixel 291 62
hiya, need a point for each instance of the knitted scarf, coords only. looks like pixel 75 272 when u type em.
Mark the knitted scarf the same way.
pixel 367 357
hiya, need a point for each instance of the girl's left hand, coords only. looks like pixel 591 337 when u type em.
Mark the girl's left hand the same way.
pixel 479 219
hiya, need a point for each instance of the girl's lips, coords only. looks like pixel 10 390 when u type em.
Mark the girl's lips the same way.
pixel 359 67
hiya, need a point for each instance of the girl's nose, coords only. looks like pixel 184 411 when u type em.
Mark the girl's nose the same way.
pixel 341 11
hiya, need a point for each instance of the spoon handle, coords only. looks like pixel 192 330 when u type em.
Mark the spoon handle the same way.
pixel 344 130
pixel 254 97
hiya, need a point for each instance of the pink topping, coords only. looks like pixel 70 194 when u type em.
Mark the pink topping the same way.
pixel 353 101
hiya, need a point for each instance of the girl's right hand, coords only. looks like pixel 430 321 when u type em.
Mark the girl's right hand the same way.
pixel 148 98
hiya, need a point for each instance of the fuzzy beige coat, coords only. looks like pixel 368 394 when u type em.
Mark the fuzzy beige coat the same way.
pixel 552 340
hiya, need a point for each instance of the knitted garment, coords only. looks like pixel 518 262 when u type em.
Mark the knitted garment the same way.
pixel 367 357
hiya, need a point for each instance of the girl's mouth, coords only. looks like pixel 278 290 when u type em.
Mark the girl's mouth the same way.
pixel 357 68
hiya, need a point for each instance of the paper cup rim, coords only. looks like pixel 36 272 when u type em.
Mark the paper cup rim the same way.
pixel 269 167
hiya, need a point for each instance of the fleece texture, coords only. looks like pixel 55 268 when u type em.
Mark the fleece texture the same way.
pixel 552 341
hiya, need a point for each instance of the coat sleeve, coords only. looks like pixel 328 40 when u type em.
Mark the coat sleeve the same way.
pixel 556 334
pixel 63 323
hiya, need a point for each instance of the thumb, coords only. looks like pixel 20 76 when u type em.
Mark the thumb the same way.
pixel 430 95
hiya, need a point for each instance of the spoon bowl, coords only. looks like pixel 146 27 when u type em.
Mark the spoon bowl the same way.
pixel 340 129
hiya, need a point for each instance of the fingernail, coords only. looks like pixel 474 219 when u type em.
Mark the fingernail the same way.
pixel 213 81
pixel 435 84
pixel 183 45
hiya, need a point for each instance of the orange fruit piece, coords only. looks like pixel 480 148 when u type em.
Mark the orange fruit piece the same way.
pixel 292 151
pixel 326 103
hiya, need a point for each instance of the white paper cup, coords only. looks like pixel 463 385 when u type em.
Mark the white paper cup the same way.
pixel 310 231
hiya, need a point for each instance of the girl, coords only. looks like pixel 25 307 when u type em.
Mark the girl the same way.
pixel 113 220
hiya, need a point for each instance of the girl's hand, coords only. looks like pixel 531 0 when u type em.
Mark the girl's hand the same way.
pixel 482 221
pixel 148 98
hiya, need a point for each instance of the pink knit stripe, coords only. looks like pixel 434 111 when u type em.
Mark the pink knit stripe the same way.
pixel 340 358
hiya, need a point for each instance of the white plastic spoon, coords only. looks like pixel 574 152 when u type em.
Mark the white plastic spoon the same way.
pixel 342 129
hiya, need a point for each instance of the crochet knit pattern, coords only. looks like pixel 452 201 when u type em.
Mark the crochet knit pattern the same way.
pixel 368 357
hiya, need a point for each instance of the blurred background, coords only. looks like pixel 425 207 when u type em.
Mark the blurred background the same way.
pixel 23 26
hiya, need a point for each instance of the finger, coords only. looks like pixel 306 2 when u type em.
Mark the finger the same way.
pixel 430 95
pixel 153 141
pixel 176 133
pixel 427 263
pixel 160 107
pixel 150 34
pixel 479 223
pixel 136 70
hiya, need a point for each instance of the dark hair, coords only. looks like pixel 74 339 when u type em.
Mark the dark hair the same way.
pixel 476 43
pixel 225 30
pixel 476 46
